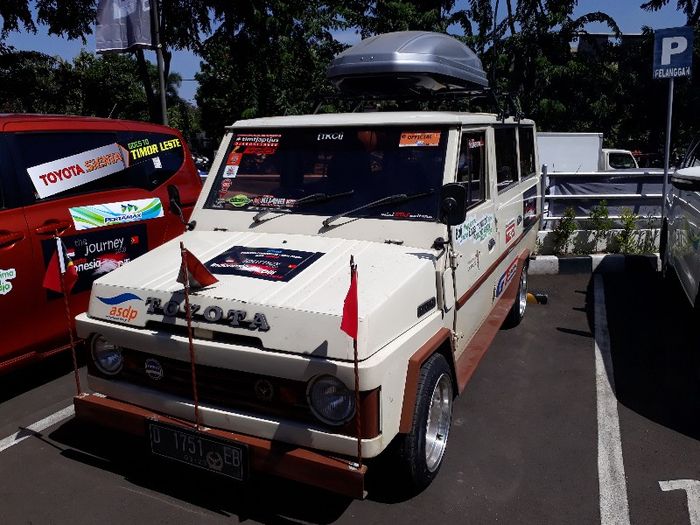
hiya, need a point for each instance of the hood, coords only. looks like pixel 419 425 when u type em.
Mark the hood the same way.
pixel 275 291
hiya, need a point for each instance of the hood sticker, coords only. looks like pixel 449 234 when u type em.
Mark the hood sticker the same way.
pixel 99 215
pixel 5 277
pixel 270 264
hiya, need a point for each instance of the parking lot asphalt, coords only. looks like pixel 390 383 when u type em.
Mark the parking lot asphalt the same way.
pixel 523 448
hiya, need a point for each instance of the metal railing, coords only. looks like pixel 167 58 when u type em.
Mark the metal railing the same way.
pixel 634 199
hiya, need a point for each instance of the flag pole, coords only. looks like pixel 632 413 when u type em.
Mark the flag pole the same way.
pixel 159 57
pixel 188 316
pixel 69 317
pixel 356 365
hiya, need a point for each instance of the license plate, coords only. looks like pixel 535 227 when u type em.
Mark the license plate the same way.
pixel 197 450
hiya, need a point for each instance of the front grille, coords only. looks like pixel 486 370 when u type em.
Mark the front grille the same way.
pixel 239 391
pixel 221 387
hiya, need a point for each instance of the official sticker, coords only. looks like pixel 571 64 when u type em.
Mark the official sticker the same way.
pixel 475 143
pixel 5 277
pixel 63 174
pixel 99 215
pixel 419 139
pixel 157 164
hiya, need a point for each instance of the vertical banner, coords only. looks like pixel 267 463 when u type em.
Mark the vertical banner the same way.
pixel 123 25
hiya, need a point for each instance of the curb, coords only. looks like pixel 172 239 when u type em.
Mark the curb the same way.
pixel 604 263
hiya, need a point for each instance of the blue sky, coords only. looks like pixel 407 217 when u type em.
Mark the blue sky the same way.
pixel 626 13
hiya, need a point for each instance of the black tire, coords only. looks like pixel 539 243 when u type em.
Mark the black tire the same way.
pixel 421 463
pixel 517 311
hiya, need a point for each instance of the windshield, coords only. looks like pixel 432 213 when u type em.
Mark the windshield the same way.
pixel 333 170
pixel 621 161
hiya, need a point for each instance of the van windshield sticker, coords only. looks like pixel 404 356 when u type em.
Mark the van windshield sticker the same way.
pixel 270 264
pixel 417 139
pixel 60 175
pixel 99 215
pixel 144 148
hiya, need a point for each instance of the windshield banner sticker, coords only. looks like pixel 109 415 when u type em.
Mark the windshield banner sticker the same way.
pixel 417 139
pixel 270 264
pixel 474 229
pixel 5 277
pixel 262 143
pixel 63 174
pixel 99 215
pixel 99 252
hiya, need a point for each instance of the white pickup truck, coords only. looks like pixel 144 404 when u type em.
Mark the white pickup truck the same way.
pixel 440 211
pixel 581 153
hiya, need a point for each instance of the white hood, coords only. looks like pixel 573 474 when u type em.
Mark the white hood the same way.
pixel 301 315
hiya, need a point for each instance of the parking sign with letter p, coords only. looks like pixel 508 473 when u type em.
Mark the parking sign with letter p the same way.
pixel 673 52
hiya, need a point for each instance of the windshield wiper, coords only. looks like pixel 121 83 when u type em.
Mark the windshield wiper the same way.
pixel 391 199
pixel 309 199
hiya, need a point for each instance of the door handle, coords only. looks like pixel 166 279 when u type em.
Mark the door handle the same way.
pixel 53 227
pixel 10 238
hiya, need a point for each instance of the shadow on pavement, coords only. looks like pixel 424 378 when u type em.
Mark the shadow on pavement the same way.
pixel 33 375
pixel 264 498
pixel 655 347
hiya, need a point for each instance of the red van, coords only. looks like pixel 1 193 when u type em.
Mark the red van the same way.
pixel 110 188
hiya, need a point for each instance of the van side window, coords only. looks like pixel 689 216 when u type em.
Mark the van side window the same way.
pixel 471 168
pixel 506 158
pixel 526 142
pixel 94 161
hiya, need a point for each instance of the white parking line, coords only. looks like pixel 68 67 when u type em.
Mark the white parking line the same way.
pixel 25 432
pixel 692 491
pixel 614 508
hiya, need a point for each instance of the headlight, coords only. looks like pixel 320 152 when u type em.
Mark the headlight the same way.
pixel 107 356
pixel 330 400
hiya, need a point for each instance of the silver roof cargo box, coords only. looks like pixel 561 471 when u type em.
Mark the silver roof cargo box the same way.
pixel 407 63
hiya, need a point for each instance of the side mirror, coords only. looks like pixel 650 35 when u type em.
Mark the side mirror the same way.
pixel 175 202
pixel 687 179
pixel 453 204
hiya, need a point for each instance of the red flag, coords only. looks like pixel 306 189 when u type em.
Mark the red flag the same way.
pixel 60 266
pixel 349 322
pixel 198 274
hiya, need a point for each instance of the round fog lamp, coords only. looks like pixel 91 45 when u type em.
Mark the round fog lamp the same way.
pixel 330 400
pixel 107 356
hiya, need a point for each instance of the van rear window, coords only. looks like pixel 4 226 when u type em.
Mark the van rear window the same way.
pixel 60 164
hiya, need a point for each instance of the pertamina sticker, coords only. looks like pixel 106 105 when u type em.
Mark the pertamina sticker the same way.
pixel 419 139
pixel 5 277
pixel 63 174
pixel 98 215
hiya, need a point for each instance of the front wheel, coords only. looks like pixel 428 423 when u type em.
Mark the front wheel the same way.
pixel 422 450
pixel 517 311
